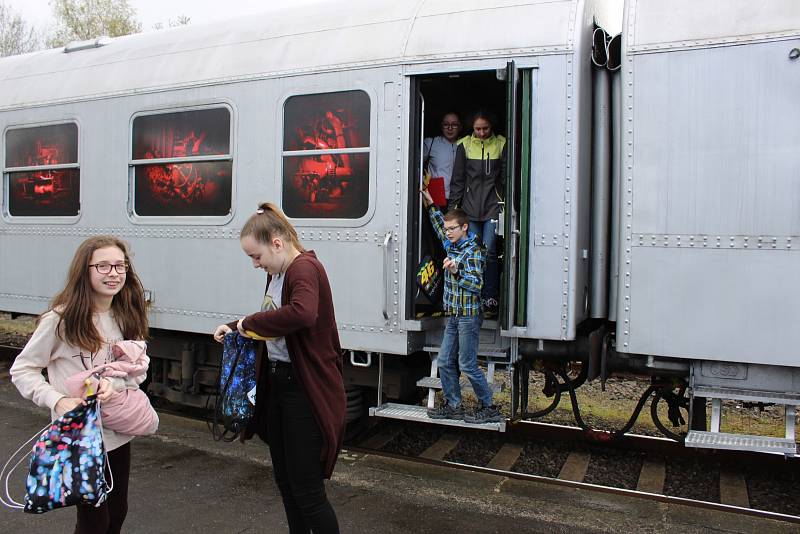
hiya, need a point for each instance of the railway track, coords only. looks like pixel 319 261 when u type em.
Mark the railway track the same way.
pixel 643 467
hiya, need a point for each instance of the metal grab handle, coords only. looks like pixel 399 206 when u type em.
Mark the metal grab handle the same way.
pixel 599 47
pixel 355 363
pixel 386 274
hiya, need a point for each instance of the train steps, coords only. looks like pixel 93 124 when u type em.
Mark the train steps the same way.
pixel 714 439
pixel 409 412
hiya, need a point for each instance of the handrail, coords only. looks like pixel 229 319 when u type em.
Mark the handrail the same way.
pixel 386 274
pixel 355 363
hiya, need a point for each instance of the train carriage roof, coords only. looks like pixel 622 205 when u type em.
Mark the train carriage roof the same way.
pixel 659 24
pixel 285 40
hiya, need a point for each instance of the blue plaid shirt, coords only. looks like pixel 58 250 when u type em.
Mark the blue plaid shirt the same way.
pixel 462 290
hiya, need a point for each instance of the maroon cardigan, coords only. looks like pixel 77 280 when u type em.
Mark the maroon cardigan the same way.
pixel 306 319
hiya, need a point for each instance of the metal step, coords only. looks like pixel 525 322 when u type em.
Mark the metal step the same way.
pixel 484 354
pixel 747 395
pixel 408 412
pixel 740 442
pixel 436 383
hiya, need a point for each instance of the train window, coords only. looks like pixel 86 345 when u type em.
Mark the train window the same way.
pixel 182 164
pixel 42 171
pixel 326 152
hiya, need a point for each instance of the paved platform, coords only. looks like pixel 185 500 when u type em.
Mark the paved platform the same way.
pixel 184 482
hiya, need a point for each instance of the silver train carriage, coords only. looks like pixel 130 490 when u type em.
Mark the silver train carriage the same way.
pixel 651 222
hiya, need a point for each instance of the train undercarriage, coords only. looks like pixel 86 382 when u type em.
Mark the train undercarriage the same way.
pixel 539 378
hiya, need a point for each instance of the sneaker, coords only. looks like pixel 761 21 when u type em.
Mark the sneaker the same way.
pixel 490 306
pixel 484 414
pixel 445 411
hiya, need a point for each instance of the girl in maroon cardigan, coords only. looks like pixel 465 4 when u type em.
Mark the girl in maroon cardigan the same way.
pixel 300 398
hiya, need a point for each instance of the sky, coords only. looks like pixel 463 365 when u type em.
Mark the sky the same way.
pixel 151 12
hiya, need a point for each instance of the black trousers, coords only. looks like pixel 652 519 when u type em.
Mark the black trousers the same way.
pixel 295 443
pixel 109 516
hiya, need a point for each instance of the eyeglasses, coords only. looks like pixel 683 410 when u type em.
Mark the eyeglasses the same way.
pixel 105 268
pixel 449 229
pixel 451 125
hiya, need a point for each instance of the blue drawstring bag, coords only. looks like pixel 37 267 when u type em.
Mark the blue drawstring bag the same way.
pixel 67 465
pixel 236 402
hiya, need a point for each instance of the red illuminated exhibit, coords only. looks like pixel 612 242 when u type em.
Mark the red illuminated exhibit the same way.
pixel 333 182
pixel 177 187
pixel 42 190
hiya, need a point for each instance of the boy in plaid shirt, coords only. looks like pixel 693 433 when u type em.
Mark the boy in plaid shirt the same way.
pixel 463 280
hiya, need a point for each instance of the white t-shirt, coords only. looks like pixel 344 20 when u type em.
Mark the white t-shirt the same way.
pixel 276 348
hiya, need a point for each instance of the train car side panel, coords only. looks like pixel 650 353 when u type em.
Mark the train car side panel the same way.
pixel 710 202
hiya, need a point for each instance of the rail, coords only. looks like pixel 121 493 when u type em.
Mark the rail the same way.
pixel 577 467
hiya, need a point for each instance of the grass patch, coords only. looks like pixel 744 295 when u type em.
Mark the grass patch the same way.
pixel 611 409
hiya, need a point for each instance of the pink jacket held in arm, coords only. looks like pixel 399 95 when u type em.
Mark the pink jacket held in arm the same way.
pixel 128 411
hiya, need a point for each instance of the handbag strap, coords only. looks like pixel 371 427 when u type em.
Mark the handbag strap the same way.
pixel 216 433
pixel 109 487
pixel 5 498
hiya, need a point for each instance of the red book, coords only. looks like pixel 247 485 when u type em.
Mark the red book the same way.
pixel 436 189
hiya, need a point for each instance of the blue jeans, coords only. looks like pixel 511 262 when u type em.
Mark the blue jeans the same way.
pixel 485 230
pixel 460 351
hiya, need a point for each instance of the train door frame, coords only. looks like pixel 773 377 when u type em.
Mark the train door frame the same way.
pixel 521 87
pixel 519 97
pixel 419 116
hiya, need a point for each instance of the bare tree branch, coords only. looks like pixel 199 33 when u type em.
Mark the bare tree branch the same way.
pixel 16 36
pixel 79 20
pixel 182 20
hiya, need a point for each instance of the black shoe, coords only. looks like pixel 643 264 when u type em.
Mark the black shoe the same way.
pixel 445 411
pixel 484 414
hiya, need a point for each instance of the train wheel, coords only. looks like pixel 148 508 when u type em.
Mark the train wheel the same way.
pixel 356 415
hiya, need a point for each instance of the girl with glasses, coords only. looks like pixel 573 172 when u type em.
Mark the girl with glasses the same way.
pixel 102 303
pixel 438 154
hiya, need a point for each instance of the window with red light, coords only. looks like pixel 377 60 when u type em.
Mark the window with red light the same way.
pixel 182 164
pixel 326 150
pixel 42 171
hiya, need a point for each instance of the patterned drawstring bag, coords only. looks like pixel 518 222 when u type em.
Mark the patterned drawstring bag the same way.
pixel 67 465
pixel 236 401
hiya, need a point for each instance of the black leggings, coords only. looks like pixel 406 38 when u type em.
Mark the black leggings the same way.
pixel 109 516
pixel 295 443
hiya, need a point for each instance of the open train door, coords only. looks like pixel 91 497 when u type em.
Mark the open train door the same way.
pixel 419 244
pixel 516 213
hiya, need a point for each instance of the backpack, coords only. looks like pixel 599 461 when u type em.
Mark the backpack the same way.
pixel 67 464
pixel 430 279
pixel 236 401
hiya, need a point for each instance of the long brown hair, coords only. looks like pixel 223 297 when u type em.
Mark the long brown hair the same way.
pixel 269 221
pixel 75 303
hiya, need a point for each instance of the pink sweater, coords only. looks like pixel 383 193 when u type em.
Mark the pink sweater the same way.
pixel 128 411
pixel 46 350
